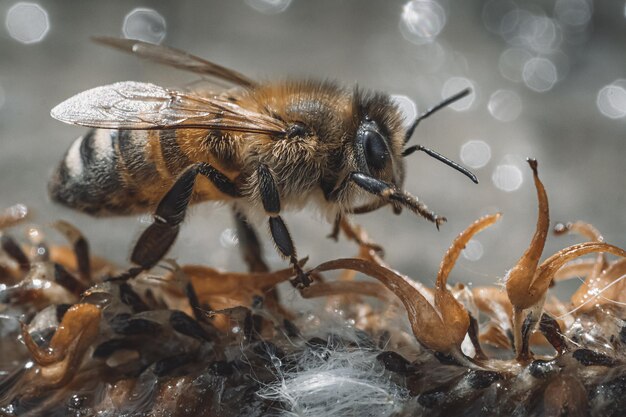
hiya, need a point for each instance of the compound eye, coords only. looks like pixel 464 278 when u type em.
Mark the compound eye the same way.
pixel 376 152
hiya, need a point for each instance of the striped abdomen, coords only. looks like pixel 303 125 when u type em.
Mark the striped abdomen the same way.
pixel 109 172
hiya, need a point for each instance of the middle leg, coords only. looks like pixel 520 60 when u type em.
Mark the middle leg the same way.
pixel 280 234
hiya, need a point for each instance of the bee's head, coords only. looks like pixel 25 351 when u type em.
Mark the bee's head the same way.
pixel 379 144
pixel 379 138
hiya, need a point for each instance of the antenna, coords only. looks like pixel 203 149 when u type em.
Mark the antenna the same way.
pixel 458 96
pixel 440 157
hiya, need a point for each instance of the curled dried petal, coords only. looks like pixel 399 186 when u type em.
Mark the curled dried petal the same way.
pixel 539 285
pixel 601 290
pixel 426 323
pixel 593 234
pixel 582 228
pixel 451 256
pixel 370 289
pixel 60 360
pixel 520 277
pixel 575 269
pixel 452 312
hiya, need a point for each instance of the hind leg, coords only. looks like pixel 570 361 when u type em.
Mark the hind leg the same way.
pixel 157 239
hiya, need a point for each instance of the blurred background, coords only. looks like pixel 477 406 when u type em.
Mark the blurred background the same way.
pixel 548 80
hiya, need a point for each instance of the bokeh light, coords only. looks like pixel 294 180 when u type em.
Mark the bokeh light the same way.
pixel 407 107
pixel 576 13
pixel 422 21
pixel 455 85
pixel 540 74
pixel 473 250
pixel 538 40
pixel 431 56
pixel 2 97
pixel 269 6
pixel 611 100
pixel 475 153
pixel 27 22
pixel 145 25
pixel 505 105
pixel 494 12
pixel 507 177
pixel 511 63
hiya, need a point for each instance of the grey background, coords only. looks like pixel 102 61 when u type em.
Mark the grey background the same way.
pixel 580 151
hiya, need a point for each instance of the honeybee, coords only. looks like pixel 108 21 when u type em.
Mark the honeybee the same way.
pixel 261 147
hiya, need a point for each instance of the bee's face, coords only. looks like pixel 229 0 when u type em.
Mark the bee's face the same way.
pixel 379 138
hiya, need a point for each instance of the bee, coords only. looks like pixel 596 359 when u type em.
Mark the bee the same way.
pixel 262 147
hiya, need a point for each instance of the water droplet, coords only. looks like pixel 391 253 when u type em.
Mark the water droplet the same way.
pixel 27 22
pixel 475 153
pixel 269 6
pixel 145 25
pixel 611 100
pixel 229 238
pixel 407 108
pixel 453 86
pixel 17 211
pixel 473 250
pixel 421 21
pixel 511 63
pixel 34 234
pixel 539 74
pixel 505 105
pixel 507 177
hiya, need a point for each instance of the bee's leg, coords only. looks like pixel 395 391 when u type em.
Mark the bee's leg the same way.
pixel 391 194
pixel 13 249
pixel 156 240
pixel 249 244
pixel 271 203
pixel 80 247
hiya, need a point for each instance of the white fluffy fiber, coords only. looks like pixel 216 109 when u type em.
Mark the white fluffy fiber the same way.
pixel 336 382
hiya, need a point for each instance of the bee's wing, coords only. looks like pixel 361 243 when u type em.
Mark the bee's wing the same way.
pixel 144 106
pixel 175 58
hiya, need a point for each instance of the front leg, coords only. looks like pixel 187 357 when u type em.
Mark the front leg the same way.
pixel 389 193
pixel 280 234
pixel 157 239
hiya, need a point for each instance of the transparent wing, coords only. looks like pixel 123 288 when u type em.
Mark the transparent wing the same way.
pixel 135 105
pixel 175 58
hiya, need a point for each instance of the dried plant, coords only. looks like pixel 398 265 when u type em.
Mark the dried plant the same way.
pixel 79 340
